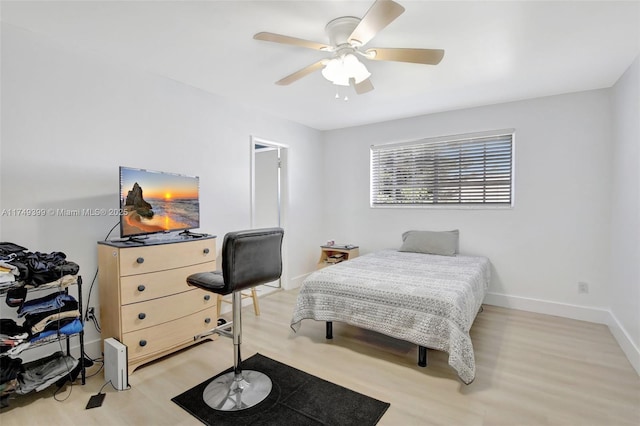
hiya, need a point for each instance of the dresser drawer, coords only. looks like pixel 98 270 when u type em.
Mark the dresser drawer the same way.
pixel 141 260
pixel 138 288
pixel 145 342
pixel 158 311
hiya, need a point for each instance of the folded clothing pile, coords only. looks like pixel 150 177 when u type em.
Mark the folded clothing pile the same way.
pixel 53 314
pixel 41 373
pixel 32 268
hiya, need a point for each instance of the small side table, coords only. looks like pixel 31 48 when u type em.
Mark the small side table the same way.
pixel 330 255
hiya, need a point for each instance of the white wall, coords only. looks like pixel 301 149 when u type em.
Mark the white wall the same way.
pixel 69 121
pixel 556 234
pixel 625 202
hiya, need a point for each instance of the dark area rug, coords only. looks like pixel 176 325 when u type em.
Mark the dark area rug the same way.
pixel 297 398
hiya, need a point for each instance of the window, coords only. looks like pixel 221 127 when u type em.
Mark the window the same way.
pixel 473 169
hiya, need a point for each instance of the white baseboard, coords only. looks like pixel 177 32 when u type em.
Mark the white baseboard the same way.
pixel 93 348
pixel 565 310
pixel 624 340
pixel 577 312
pixel 296 282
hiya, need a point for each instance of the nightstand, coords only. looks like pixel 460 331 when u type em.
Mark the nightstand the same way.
pixel 330 255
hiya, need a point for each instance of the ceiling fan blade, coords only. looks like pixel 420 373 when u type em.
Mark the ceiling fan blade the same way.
pixel 363 87
pixel 417 56
pixel 381 14
pixel 278 38
pixel 300 73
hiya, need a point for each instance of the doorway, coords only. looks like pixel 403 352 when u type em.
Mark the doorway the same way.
pixel 269 192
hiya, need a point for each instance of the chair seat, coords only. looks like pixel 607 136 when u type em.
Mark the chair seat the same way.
pixel 210 281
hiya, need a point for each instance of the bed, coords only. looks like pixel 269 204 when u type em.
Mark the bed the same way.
pixel 429 300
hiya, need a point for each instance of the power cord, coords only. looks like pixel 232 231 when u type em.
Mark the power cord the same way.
pixel 111 230
pixel 97 399
pixel 89 314
pixel 68 376
pixel 99 361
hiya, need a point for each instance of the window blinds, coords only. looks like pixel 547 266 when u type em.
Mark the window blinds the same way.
pixel 469 169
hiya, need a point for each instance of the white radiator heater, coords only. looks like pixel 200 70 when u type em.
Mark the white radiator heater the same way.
pixel 115 364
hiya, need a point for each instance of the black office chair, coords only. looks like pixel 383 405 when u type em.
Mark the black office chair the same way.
pixel 249 258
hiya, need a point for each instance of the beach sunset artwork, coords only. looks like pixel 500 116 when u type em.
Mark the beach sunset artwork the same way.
pixel 157 202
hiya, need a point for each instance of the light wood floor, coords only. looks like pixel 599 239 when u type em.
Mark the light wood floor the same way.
pixel 531 370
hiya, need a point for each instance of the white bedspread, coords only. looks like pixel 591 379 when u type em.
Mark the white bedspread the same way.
pixel 428 300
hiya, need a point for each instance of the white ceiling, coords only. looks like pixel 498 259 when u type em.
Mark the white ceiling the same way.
pixel 494 51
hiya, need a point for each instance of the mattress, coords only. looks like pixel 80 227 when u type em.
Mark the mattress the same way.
pixel 428 300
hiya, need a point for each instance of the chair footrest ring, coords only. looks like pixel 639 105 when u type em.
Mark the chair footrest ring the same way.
pixel 225 329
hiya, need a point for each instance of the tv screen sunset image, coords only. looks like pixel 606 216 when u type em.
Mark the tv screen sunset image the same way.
pixel 157 202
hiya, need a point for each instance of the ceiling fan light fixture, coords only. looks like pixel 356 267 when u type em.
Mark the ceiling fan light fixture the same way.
pixel 340 70
pixel 333 71
pixel 355 69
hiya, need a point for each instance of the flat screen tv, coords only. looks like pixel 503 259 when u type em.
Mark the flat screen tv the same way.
pixel 153 202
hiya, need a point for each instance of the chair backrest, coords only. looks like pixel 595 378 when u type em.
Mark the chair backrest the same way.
pixel 251 258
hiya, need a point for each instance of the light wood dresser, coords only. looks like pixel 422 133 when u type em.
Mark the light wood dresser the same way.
pixel 145 301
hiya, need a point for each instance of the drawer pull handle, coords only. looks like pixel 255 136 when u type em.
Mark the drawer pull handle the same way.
pixel 205 251
pixel 207 320
pixel 140 260
pixel 142 315
pixel 141 287
pixel 143 343
pixel 207 297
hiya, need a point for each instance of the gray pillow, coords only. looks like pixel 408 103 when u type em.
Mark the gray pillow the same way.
pixel 431 242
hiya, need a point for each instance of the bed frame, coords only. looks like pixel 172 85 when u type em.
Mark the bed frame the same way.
pixel 422 350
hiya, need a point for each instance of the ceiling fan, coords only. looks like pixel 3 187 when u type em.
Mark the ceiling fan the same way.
pixel 347 36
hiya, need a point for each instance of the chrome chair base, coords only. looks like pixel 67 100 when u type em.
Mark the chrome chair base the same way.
pixel 234 392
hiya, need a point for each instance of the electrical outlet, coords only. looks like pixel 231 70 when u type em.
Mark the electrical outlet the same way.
pixel 583 288
pixel 91 313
